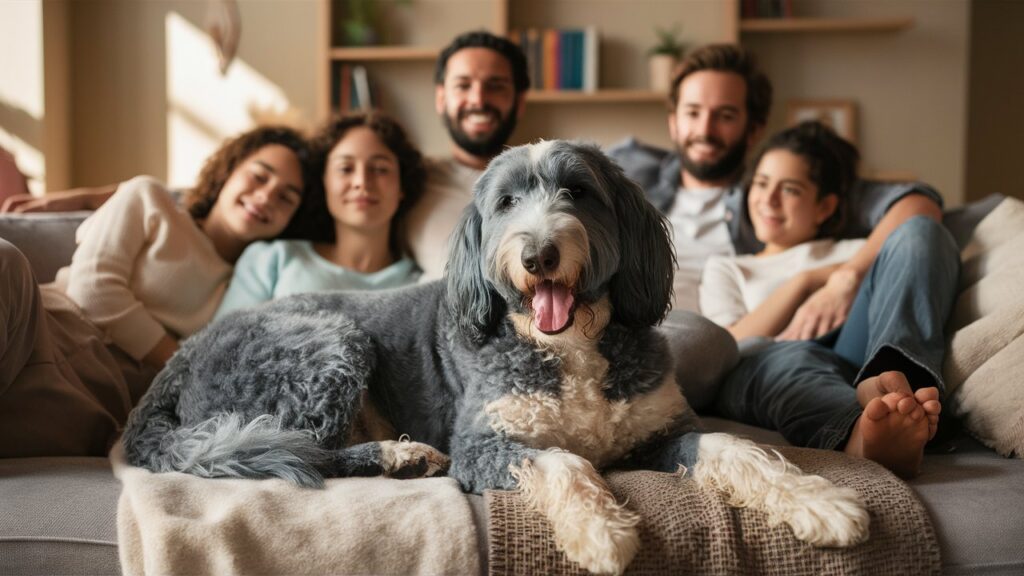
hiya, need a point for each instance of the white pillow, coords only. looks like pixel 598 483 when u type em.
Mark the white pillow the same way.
pixel 984 368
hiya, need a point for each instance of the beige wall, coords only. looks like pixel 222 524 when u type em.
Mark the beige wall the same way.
pixel 995 118
pixel 33 89
pixel 910 86
pixel 119 76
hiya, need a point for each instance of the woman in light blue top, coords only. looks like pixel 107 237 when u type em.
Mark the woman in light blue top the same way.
pixel 372 175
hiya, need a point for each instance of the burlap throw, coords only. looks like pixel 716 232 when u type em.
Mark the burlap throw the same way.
pixel 690 530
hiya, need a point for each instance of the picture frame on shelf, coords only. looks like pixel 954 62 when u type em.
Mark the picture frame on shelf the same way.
pixel 840 115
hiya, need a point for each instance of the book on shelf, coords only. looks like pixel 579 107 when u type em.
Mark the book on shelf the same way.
pixel 352 88
pixel 766 8
pixel 560 58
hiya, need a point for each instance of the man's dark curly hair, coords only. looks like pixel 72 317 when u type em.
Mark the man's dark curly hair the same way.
pixel 218 168
pixel 728 58
pixel 412 174
pixel 482 39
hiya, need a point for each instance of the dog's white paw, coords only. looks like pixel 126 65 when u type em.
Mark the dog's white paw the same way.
pixel 826 515
pixel 602 542
pixel 589 526
pixel 818 511
pixel 412 460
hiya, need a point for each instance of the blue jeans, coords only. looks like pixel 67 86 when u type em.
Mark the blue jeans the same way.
pixel 807 389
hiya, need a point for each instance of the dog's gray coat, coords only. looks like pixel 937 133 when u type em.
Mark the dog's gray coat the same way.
pixel 278 391
pixel 431 356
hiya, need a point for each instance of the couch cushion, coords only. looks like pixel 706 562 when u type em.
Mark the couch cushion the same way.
pixel 48 240
pixel 58 516
pixel 984 369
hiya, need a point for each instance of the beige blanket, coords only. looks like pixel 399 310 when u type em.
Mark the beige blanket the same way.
pixel 178 524
pixel 689 530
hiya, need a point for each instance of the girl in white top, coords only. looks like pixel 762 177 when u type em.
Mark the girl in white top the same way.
pixel 795 195
pixel 372 175
pixel 78 353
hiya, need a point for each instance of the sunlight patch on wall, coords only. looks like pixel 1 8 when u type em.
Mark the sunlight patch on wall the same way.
pixel 204 107
pixel 30 160
pixel 21 88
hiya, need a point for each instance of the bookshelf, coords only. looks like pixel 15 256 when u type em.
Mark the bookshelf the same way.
pixel 401 66
pixel 761 25
pixel 602 96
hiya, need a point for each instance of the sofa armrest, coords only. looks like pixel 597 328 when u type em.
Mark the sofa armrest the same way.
pixel 46 239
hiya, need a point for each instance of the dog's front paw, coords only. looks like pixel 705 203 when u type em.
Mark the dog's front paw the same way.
pixel 826 515
pixel 818 511
pixel 589 526
pixel 405 460
pixel 602 543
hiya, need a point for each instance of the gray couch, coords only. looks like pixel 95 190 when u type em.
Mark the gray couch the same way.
pixel 58 515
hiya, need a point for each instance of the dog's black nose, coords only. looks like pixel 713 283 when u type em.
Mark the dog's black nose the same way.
pixel 542 262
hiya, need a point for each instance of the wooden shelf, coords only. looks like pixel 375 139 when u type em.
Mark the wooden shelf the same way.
pixel 825 24
pixel 615 96
pixel 383 53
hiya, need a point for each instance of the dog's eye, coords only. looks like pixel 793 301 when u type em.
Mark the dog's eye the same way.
pixel 506 202
pixel 577 193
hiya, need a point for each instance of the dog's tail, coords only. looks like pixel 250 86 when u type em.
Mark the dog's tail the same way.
pixel 222 446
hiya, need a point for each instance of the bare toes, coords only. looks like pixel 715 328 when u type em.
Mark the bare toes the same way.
pixel 877 409
pixel 924 395
pixel 908 406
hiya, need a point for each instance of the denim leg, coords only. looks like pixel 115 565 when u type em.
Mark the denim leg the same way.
pixel 800 388
pixel 897 319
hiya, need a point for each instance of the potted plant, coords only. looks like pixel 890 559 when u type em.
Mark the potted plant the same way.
pixel 663 57
pixel 360 27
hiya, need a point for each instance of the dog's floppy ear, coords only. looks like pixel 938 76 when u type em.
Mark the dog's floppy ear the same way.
pixel 641 290
pixel 470 299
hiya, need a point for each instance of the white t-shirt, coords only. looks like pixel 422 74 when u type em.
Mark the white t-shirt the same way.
pixel 731 287
pixel 699 231
pixel 449 189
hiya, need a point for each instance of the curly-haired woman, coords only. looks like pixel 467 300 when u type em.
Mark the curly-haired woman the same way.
pixel 76 355
pixel 371 176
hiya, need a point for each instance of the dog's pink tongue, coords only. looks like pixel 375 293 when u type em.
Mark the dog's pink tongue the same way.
pixel 551 305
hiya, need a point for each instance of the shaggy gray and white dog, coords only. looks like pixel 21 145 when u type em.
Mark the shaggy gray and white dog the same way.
pixel 533 365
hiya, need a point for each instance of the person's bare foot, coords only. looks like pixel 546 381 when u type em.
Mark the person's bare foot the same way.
pixel 928 398
pixel 892 430
pixel 892 381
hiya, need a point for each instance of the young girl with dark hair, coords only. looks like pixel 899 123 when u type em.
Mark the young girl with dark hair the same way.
pixel 370 175
pixel 871 386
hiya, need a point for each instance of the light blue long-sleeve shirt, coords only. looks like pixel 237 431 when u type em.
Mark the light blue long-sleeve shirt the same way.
pixel 269 270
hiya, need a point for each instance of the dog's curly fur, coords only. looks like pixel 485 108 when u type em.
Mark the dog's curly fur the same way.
pixel 467 368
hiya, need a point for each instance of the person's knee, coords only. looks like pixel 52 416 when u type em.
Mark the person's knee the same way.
pixel 921 231
pixel 921 238
pixel 697 341
pixel 703 353
pixel 15 269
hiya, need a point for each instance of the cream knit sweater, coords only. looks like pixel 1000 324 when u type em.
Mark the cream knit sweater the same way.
pixel 143 268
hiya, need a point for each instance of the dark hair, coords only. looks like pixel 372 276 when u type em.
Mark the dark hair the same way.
pixel 728 58
pixel 831 165
pixel 199 200
pixel 482 39
pixel 412 174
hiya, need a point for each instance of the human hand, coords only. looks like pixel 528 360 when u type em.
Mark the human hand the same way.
pixel 825 309
pixel 162 352
pixel 67 201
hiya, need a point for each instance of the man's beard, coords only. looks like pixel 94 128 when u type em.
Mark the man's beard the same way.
pixel 729 165
pixel 486 146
